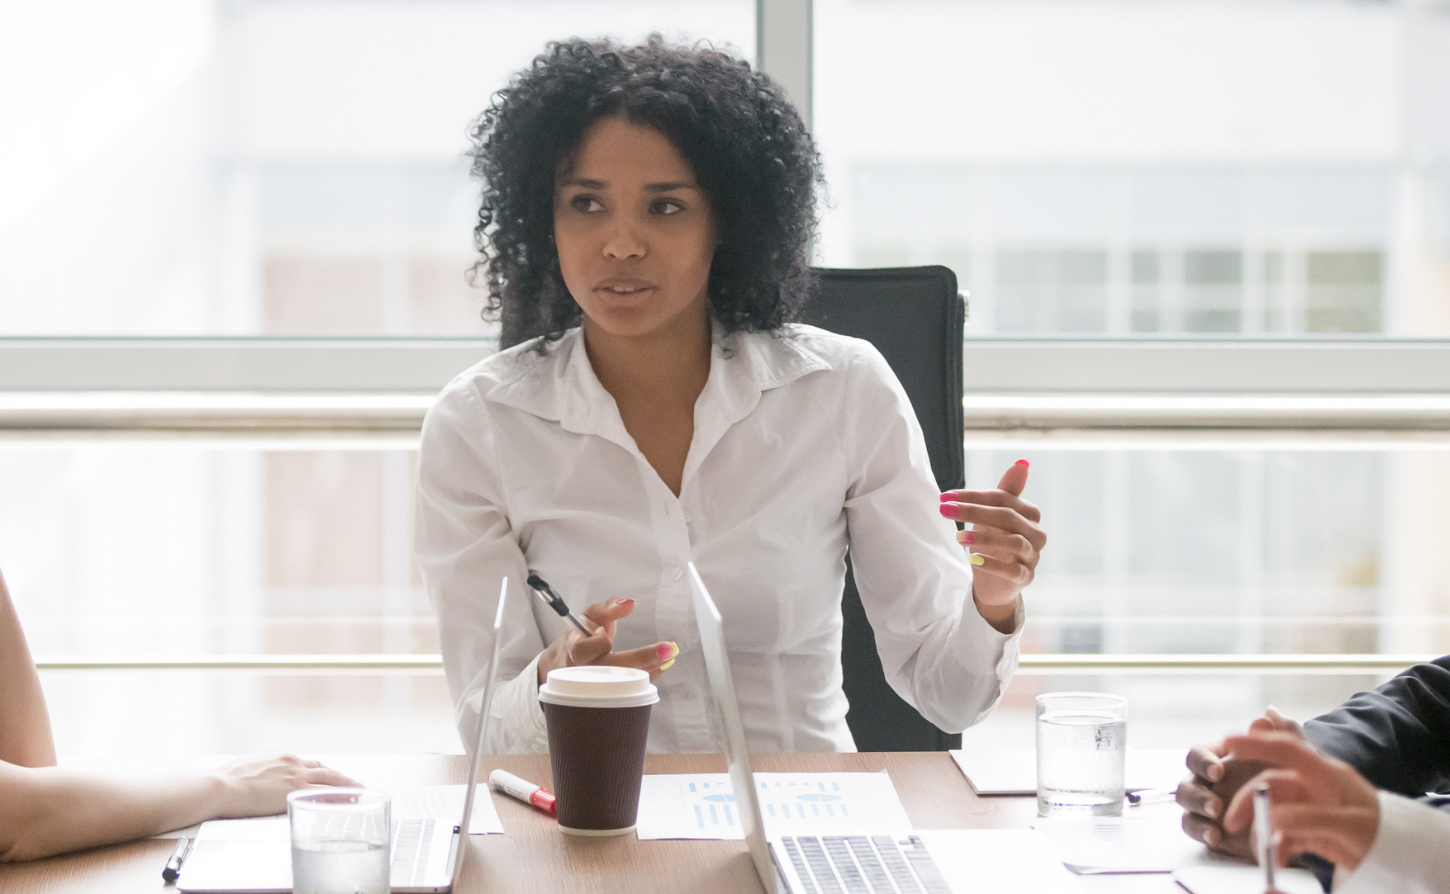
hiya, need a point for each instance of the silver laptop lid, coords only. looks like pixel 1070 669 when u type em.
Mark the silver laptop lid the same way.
pixel 461 842
pixel 742 780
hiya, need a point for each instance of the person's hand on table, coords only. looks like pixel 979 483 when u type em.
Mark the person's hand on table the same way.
pixel 573 648
pixel 258 785
pixel 1004 541
pixel 1216 780
pixel 1321 805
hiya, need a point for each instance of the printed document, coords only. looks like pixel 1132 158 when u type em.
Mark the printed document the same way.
pixel 702 805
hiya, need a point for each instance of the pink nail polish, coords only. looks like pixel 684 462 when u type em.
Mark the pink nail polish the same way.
pixel 948 511
pixel 968 537
pixel 1023 462
pixel 946 497
pixel 663 650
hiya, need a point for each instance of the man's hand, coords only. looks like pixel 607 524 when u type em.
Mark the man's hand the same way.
pixel 1215 782
pixel 1320 804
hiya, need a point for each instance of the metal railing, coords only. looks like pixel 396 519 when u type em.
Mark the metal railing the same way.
pixel 1040 663
pixel 377 390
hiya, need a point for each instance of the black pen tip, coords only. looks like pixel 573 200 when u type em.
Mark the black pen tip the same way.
pixel 537 582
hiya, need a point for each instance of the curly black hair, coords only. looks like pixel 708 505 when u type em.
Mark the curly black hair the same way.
pixel 749 148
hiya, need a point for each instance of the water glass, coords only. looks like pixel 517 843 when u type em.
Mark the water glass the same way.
pixel 340 840
pixel 1082 740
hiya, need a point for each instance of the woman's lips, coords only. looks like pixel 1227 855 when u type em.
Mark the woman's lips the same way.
pixel 623 296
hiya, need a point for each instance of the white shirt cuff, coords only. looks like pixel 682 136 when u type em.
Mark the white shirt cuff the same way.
pixel 1408 855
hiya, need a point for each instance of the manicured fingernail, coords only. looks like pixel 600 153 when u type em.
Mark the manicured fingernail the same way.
pixel 667 650
pixel 975 559
pixel 1210 810
pixel 1215 772
pixel 1023 462
pixel 667 665
pixel 966 537
pixel 948 511
pixel 948 496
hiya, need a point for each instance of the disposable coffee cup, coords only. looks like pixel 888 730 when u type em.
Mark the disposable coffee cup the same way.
pixel 598 720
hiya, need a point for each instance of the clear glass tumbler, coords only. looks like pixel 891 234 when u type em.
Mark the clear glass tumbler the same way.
pixel 340 840
pixel 1082 742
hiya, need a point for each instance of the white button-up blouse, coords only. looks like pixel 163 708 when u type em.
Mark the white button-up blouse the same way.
pixel 805 445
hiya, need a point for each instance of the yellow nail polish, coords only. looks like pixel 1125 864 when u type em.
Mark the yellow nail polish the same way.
pixel 674 651
pixel 975 559
pixel 667 665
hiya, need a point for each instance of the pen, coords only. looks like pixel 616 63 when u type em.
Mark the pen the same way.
pixel 178 856
pixel 524 790
pixel 1264 836
pixel 554 601
pixel 1150 795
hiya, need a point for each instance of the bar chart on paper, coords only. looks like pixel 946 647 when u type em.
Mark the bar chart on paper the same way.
pixel 702 805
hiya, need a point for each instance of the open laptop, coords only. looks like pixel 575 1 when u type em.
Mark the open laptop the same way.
pixel 930 861
pixel 425 854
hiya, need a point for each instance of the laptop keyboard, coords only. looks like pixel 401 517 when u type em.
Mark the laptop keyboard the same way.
pixel 856 864
pixel 412 840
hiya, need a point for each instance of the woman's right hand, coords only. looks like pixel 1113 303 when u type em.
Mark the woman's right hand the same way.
pixel 258 785
pixel 573 648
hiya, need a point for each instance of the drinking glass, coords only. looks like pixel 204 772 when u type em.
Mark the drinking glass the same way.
pixel 1082 740
pixel 340 840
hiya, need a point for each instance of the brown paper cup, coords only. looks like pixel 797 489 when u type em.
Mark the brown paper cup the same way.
pixel 598 723
pixel 597 756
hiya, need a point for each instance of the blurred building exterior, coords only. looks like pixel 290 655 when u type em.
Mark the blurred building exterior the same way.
pixel 1114 168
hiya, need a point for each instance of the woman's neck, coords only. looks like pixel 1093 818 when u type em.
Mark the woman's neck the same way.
pixel 666 368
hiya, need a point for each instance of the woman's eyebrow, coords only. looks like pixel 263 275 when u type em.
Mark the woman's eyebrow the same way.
pixel 669 186
pixel 580 181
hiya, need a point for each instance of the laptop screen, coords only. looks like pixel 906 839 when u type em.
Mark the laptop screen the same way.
pixel 476 755
pixel 742 780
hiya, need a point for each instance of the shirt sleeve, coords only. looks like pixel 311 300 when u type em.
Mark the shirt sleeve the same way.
pixel 937 651
pixel 465 545
pixel 1409 854
pixel 1398 735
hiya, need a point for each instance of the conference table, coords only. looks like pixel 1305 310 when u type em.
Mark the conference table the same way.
pixel 534 857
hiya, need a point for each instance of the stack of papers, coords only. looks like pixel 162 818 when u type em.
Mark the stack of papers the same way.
pixel 702 805
pixel 1013 771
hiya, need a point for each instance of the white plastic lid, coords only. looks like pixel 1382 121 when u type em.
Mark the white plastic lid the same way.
pixel 598 686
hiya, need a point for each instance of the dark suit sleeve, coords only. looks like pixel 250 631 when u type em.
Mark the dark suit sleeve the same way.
pixel 1398 736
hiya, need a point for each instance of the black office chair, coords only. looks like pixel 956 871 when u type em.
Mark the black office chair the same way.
pixel 915 318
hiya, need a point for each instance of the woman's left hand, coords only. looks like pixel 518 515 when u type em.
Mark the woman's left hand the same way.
pixel 1005 541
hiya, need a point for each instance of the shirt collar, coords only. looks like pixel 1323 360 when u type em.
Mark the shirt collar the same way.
pixel 561 385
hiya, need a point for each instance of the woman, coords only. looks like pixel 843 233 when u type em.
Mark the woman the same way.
pixel 645 222
pixel 45 809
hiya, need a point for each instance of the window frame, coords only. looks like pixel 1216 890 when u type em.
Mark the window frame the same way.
pixel 274 391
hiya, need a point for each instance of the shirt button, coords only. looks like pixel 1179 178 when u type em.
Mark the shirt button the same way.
pixel 679 573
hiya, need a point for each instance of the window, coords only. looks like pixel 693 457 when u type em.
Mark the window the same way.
pixel 1160 212
pixel 1163 177
pixel 282 169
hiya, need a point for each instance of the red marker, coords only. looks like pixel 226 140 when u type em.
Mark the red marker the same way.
pixel 524 790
